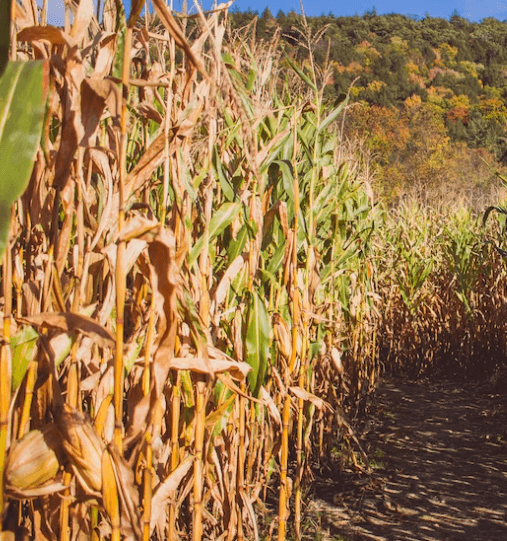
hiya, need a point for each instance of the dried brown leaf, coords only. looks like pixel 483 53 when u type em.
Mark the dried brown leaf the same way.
pixel 129 496
pixel 177 34
pixel 105 56
pixel 55 36
pixel 72 127
pixel 148 111
pixel 165 277
pixel 82 19
pixel 273 410
pixel 225 282
pixel 310 397
pixel 165 490
pixel 227 381
pixel 133 249
pixel 65 233
pixel 95 93
pixel 24 16
pixel 149 161
pixel 280 208
pixel 69 322
pixel 238 370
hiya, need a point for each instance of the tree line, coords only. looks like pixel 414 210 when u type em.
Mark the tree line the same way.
pixel 446 78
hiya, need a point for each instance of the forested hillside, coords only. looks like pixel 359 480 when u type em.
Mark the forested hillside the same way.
pixel 429 93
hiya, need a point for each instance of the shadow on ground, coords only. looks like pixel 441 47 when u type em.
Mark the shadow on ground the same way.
pixel 440 470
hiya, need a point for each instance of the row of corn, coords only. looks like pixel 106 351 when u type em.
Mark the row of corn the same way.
pixel 187 295
pixel 199 288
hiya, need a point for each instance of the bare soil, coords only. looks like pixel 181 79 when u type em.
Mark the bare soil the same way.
pixel 439 469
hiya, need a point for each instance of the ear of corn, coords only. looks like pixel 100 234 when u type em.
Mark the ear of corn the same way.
pixel 32 465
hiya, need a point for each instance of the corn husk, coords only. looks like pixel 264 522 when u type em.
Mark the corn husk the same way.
pixel 32 464
pixel 83 447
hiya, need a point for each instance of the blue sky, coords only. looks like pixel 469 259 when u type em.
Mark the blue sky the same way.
pixel 473 10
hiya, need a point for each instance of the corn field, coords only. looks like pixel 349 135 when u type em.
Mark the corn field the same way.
pixel 443 288
pixel 187 299
pixel 198 289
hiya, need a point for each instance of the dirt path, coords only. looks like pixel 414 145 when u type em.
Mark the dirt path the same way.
pixel 440 470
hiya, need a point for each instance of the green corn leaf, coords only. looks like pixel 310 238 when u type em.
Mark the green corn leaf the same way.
pixel 22 106
pixel 23 353
pixel 236 246
pixel 332 115
pixel 222 218
pixel 276 260
pixel 301 73
pixel 121 31
pixel 258 330
pixel 228 59
pixel 225 183
pixel 217 418
pixel 270 277
pixel 251 79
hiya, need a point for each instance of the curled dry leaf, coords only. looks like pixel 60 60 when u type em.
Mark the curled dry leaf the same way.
pixel 280 208
pixel 147 110
pixel 166 280
pixel 165 490
pixel 69 322
pixel 55 36
pixel 138 227
pixel 95 93
pixel 310 397
pixel 337 360
pixel 225 282
pixel 82 19
pixel 129 496
pixel 72 127
pixel 177 34
pixel 149 161
pixel 134 248
pixel 105 56
pixel 238 370
pixel 24 14
pixel 273 410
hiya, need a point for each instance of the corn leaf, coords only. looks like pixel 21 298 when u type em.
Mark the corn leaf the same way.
pixel 332 115
pixel 257 341
pixel 22 99
pixel 301 73
pixel 23 352
pixel 220 220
